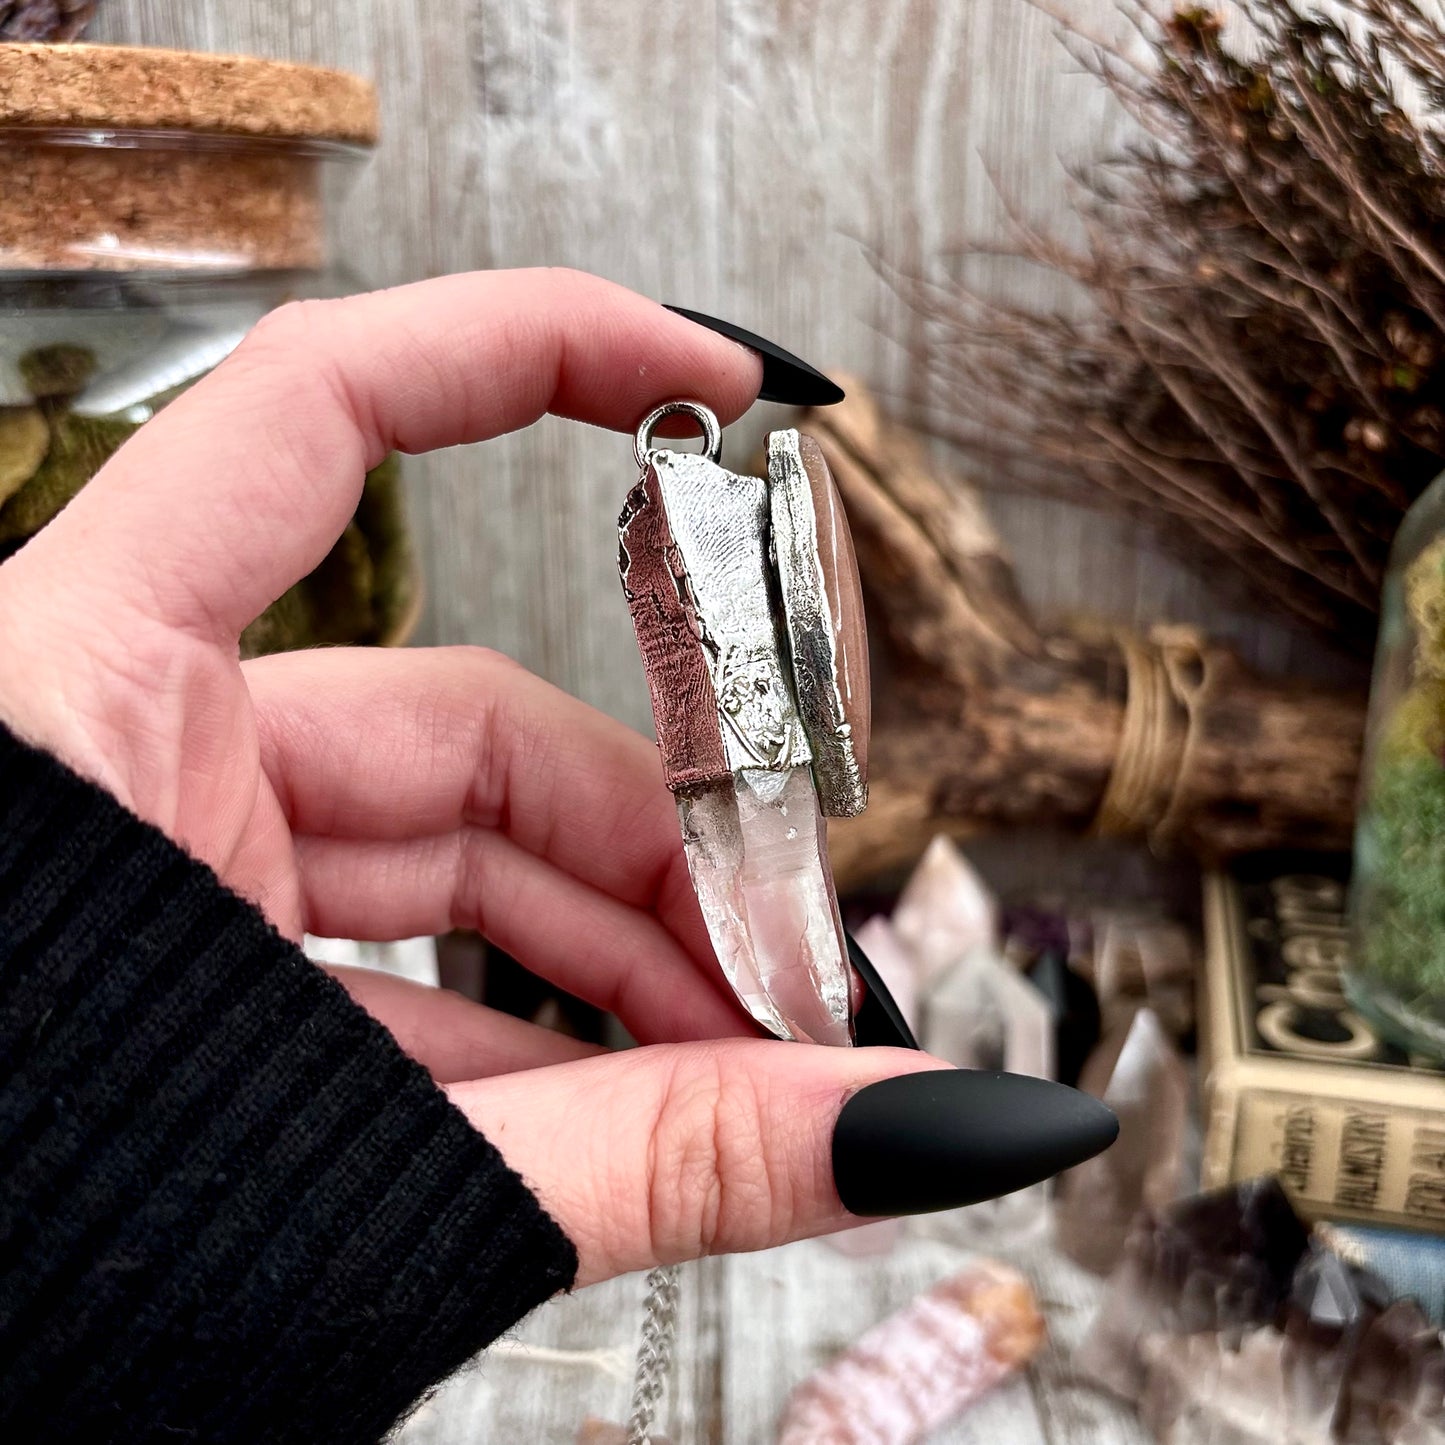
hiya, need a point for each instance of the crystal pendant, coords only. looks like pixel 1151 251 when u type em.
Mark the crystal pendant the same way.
pixel 745 597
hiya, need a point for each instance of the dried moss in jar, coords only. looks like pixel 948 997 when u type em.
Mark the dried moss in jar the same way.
pixel 154 205
pixel 1396 975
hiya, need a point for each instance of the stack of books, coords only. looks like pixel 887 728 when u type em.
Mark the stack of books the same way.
pixel 1296 1083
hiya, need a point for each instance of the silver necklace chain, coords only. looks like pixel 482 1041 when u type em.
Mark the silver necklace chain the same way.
pixel 654 1354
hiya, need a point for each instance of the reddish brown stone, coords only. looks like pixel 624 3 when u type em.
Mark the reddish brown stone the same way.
pixel 684 704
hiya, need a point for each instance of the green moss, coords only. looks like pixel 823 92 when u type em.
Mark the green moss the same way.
pixel 382 518
pixel 364 591
pixel 1401 865
pixel 79 447
pixel 59 370
pixel 24 441
pixel 1416 727
pixel 1425 599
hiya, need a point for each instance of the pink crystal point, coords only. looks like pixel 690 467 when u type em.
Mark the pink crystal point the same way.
pixel 922 1366
pixel 1140 1075
pixel 945 910
pixel 984 1014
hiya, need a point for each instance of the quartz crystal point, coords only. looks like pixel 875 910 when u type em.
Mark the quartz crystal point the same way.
pixel 983 1014
pixel 1228 1327
pixel 922 1366
pixel 945 911
pixel 1345 1367
pixel 757 851
pixel 1198 1391
pixel 1394 1383
pixel 1219 1263
pixel 1330 1306
pixel 1143 961
pixel 1141 1077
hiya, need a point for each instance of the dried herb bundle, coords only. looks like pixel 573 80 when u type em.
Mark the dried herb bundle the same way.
pixel 1261 370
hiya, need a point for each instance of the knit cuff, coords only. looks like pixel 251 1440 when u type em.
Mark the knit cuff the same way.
pixel 232 1208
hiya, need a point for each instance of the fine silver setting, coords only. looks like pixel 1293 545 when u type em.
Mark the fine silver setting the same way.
pixel 719 523
pixel 812 630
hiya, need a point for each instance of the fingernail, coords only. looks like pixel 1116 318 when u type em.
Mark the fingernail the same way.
pixel 937 1140
pixel 786 378
pixel 878 1021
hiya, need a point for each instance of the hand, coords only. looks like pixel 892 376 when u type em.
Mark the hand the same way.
pixel 372 794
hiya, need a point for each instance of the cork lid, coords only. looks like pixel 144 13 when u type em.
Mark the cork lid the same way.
pixel 116 87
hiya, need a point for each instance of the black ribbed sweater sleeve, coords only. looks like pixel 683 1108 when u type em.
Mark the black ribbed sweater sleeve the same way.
pixel 230 1208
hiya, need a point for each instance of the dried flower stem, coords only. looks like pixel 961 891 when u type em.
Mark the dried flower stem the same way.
pixel 1262 372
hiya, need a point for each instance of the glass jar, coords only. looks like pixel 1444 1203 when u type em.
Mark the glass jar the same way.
pixel 1396 973
pixel 154 205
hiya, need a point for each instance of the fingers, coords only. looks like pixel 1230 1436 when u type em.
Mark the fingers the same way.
pixel 662 1154
pixel 452 1037
pixel 609 954
pixel 421 743
pixel 240 487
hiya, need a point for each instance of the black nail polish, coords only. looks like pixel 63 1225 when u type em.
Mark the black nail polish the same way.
pixel 878 1022
pixel 786 378
pixel 937 1140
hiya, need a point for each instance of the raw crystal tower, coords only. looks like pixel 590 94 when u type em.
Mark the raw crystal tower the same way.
pixel 744 593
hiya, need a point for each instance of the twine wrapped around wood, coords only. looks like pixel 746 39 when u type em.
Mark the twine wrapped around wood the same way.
pixel 989 720
pixel 1171 675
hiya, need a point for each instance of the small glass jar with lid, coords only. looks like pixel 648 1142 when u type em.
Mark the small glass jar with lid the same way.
pixel 1396 971
pixel 154 205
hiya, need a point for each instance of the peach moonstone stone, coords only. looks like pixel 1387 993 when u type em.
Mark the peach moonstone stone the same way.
pixel 843 589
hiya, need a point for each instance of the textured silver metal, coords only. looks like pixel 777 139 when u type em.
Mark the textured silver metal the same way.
pixel 719 526
pixel 812 631
pixel 704 416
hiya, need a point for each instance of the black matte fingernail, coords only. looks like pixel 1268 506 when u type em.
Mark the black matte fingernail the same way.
pixel 878 1021
pixel 786 378
pixel 937 1140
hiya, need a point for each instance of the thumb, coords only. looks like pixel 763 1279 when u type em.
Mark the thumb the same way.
pixel 661 1154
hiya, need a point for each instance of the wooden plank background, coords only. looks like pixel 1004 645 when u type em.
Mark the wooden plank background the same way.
pixel 736 155
pixel 740 156
pixel 751 1327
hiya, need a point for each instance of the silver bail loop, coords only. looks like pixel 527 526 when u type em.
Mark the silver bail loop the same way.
pixel 704 416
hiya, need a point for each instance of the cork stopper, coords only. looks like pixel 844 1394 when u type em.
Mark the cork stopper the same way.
pixel 127 88
pixel 119 159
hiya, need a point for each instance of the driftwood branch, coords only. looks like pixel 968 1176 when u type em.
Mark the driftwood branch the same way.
pixel 988 720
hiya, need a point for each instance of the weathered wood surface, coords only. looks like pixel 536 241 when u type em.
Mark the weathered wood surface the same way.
pixel 736 155
pixel 751 1327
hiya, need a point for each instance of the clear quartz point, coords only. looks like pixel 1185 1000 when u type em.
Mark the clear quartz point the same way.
pixel 757 850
